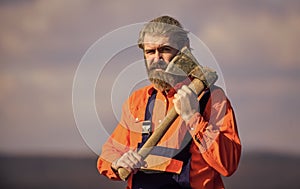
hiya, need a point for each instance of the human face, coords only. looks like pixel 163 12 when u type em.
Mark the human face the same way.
pixel 158 50
pixel 158 53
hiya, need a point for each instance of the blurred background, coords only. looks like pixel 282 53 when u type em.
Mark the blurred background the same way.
pixel 256 44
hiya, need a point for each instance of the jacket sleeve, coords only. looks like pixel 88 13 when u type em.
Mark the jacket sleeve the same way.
pixel 215 134
pixel 116 145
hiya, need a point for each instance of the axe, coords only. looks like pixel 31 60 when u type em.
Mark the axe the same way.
pixel 183 64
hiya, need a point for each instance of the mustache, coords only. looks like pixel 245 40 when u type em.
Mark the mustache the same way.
pixel 158 65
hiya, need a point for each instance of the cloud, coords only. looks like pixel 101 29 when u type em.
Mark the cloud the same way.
pixel 41 43
pixel 256 35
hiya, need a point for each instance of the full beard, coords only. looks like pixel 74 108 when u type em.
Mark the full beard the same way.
pixel 162 80
pixel 158 78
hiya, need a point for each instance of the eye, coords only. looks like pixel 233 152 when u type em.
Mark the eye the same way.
pixel 150 51
pixel 166 49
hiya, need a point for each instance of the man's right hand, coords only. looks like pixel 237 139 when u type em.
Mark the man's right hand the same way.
pixel 131 161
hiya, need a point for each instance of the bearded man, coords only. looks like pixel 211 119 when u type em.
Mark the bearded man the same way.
pixel 201 144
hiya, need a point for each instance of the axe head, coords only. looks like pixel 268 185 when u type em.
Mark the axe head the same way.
pixel 184 64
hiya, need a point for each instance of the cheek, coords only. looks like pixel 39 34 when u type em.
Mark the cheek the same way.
pixel 167 58
pixel 147 63
pixel 149 60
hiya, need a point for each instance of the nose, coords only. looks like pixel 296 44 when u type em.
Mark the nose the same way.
pixel 157 56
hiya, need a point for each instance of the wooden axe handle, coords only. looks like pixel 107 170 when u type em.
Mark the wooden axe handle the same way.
pixel 197 87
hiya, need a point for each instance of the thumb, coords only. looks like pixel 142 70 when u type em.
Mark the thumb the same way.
pixel 177 106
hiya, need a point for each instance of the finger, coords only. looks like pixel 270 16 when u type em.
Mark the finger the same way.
pixel 182 93
pixel 145 164
pixel 131 162
pixel 126 162
pixel 139 162
pixel 135 160
pixel 176 96
pixel 138 156
pixel 177 106
pixel 188 90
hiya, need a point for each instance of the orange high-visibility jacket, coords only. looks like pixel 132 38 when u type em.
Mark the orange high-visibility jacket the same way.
pixel 215 148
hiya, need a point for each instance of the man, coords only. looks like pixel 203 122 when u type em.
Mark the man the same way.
pixel 201 144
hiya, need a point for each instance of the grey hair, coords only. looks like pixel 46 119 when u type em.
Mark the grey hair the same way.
pixel 165 26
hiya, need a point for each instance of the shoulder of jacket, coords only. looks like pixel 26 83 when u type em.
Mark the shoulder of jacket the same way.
pixel 139 95
pixel 141 91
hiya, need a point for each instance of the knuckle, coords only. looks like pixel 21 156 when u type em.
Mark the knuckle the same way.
pixel 131 164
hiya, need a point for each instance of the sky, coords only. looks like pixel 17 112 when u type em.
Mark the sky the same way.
pixel 42 43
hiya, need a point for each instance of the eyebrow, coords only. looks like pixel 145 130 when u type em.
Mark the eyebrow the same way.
pixel 160 47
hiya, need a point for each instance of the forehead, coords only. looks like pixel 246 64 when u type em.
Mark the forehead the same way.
pixel 154 41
